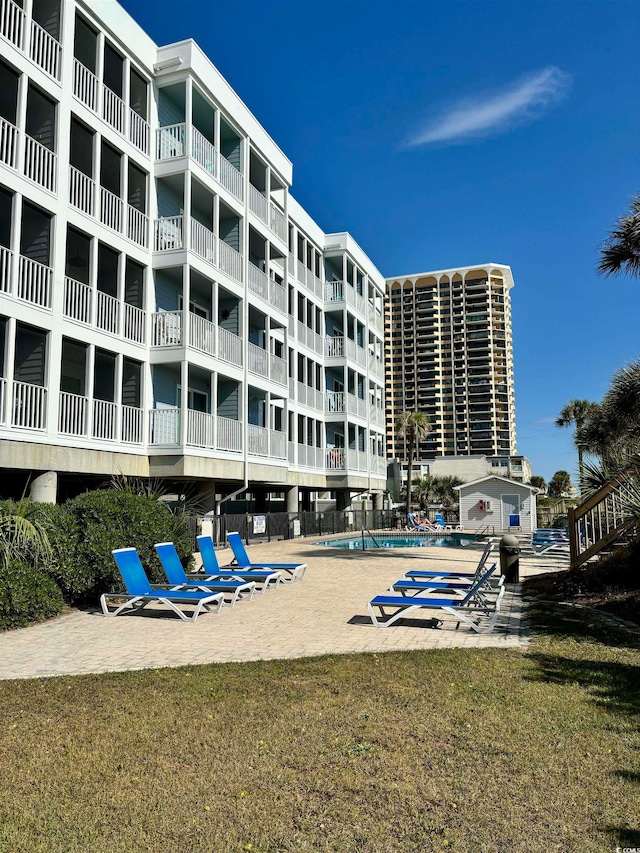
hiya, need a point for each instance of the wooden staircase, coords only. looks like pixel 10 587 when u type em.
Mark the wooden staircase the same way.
pixel 600 522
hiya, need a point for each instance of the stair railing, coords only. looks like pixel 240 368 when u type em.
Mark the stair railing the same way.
pixel 599 521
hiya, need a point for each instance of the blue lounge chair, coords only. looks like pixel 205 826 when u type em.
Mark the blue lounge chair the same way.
pixel 140 592
pixel 294 570
pixel 262 578
pixel 545 538
pixel 489 586
pixel 479 617
pixel 469 577
pixel 425 524
pixel 236 587
pixel 442 524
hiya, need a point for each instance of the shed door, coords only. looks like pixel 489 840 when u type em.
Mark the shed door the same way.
pixel 510 506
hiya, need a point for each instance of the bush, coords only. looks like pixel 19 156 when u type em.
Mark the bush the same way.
pixel 27 595
pixel 85 530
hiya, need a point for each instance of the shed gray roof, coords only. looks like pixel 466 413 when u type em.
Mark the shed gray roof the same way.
pixel 501 479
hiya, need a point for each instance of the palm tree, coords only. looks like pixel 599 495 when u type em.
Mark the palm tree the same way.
pixel 576 412
pixel 538 482
pixel 620 251
pixel 23 533
pixel 415 426
pixel 559 484
pixel 445 490
pixel 424 490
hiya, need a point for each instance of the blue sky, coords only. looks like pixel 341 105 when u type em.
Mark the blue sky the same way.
pixel 449 133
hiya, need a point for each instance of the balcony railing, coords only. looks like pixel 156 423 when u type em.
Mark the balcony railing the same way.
pixel 40 164
pixel 114 109
pixel 72 415
pixel 202 334
pixel 107 313
pixel 229 347
pixel 6 258
pixel 85 85
pixel 8 144
pixel 134 323
pixel 111 207
pixel 3 399
pixel 230 261
pixel 257 440
pixel 82 191
pixel 334 291
pixel 104 420
pixel 12 22
pixel 231 179
pixel 203 152
pixel 334 347
pixel 45 51
pixel 277 296
pixel 166 329
pixel 139 131
pixel 77 301
pixel 278 222
pixel 170 141
pixel 137 226
pixel 132 425
pixel 168 234
pixel 258 360
pixel 277 369
pixel 258 204
pixel 335 459
pixel 29 406
pixel 258 282
pixel 334 402
pixel 164 426
pixel 200 429
pixel 203 241
pixel 34 282
pixel 229 434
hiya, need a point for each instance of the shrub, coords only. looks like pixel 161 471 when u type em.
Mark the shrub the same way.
pixel 27 595
pixel 85 530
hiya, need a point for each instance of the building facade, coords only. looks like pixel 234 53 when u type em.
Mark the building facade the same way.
pixel 449 354
pixel 166 307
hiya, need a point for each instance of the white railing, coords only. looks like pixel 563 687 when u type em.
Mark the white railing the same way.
pixel 85 85
pixel 72 417
pixel 45 51
pixel 12 22
pixel 258 282
pixel 132 425
pixel 170 141
pixel 111 207
pixel 113 109
pixel 229 347
pixel 40 164
pixel 231 179
pixel 82 191
pixel 258 204
pixel 257 360
pixel 137 226
pixel 164 426
pixel 301 269
pixel 334 401
pixel 292 452
pixel 29 406
pixel 3 398
pixel 8 144
pixel 105 420
pixel 334 347
pixel 202 334
pixel 277 369
pixel 203 151
pixel 278 222
pixel 203 241
pixel 230 261
pixel 229 434
pixel 134 323
pixel 277 296
pixel 139 131
pixel 108 313
pixel 257 440
pixel 6 258
pixel 34 282
pixel 291 265
pixel 166 329
pixel 77 300
pixel 278 444
pixel 200 429
pixel 168 234
pixel 379 465
pixel 335 459
pixel 334 291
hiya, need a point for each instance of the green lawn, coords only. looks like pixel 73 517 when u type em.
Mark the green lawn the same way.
pixel 462 750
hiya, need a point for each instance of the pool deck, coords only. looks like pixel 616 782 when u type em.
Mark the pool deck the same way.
pixel 326 613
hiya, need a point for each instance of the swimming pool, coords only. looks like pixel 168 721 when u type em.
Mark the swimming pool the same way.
pixel 382 540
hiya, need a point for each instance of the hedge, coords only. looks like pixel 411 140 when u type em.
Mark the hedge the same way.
pixel 27 595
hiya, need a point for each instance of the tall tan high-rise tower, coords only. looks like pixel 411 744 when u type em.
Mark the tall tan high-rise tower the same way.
pixel 449 354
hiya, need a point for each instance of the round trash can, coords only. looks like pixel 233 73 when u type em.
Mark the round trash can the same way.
pixel 510 558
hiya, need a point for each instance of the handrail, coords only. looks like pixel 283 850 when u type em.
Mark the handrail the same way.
pixel 375 541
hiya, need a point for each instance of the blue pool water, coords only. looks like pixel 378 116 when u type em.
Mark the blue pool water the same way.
pixel 355 543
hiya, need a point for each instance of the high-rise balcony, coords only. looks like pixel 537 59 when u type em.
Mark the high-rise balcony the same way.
pixel 99 419
pixel 29 37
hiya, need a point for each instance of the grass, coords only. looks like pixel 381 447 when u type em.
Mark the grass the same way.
pixel 466 750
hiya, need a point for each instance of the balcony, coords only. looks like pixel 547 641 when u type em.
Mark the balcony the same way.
pixel 203 241
pixel 9 135
pixel 82 191
pixel 34 282
pixel 230 261
pixel 83 417
pixel 42 48
pixel 6 258
pixel 168 234
pixel 29 408
pixel 203 430
pixel 258 204
pixel 40 164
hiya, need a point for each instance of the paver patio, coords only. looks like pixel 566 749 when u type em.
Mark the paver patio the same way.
pixel 326 613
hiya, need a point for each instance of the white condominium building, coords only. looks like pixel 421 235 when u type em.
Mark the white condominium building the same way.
pixel 449 354
pixel 166 308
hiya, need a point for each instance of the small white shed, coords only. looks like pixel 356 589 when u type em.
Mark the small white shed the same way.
pixel 499 502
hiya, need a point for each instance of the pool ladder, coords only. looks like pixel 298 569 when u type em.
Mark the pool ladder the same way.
pixel 375 541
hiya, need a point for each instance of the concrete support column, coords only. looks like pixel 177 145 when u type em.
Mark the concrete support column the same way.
pixel 44 488
pixel 378 500
pixel 343 500
pixel 293 499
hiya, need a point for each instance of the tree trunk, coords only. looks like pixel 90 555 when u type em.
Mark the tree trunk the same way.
pixel 409 476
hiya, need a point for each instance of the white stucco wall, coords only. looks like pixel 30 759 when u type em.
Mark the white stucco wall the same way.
pixel 493 490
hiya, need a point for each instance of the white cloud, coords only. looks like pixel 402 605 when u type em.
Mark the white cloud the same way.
pixel 479 116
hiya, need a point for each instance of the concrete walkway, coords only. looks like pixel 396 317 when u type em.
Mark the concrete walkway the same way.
pixel 326 613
